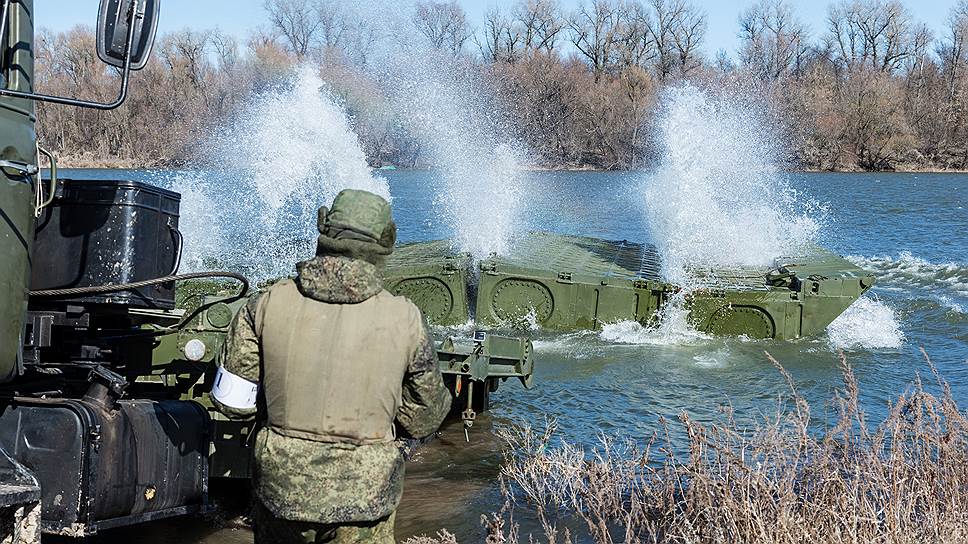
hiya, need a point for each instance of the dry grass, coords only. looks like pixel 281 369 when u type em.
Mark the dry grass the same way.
pixel 904 480
pixel 442 537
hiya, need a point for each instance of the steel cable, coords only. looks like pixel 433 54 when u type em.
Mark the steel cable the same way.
pixel 99 289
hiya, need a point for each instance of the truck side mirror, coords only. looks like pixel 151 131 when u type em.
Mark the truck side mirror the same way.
pixel 113 30
pixel 125 32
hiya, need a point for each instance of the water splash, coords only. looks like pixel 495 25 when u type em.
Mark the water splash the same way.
pixel 198 223
pixel 288 152
pixel 481 171
pixel 867 324
pixel 298 144
pixel 673 328
pixel 580 345
pixel 719 358
pixel 718 196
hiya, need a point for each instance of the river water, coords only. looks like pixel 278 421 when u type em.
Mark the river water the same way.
pixel 908 229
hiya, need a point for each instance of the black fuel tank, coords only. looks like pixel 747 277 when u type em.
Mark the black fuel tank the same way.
pixel 108 232
pixel 101 468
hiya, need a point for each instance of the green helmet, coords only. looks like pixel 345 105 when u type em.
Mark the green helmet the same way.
pixel 359 225
pixel 356 215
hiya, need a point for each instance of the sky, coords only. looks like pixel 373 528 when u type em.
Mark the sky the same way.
pixel 236 17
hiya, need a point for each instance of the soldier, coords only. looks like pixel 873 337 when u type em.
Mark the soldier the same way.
pixel 336 368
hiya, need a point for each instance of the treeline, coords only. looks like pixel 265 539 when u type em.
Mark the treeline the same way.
pixel 874 90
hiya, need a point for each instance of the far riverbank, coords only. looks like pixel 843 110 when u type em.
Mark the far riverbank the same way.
pixel 92 162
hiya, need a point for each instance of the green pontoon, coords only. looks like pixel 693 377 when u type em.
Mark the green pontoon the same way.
pixel 561 282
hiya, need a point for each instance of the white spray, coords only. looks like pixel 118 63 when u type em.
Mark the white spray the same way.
pixel 718 197
pixel 299 143
pixel 868 323
pixel 287 153
pixel 480 170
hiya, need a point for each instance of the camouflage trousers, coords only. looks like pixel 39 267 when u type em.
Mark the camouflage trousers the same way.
pixel 270 529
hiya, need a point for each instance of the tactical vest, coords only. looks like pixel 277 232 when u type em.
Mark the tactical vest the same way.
pixel 334 372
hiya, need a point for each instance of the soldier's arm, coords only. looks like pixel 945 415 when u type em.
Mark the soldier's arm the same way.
pixel 240 366
pixel 426 399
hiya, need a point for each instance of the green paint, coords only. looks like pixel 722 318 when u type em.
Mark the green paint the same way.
pixel 434 275
pixel 18 143
pixel 568 282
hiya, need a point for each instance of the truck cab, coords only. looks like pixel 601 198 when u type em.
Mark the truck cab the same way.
pixel 125 33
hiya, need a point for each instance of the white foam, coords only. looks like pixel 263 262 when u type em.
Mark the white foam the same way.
pixel 577 345
pixel 466 328
pixel 713 359
pixel 867 324
pixel 951 304
pixel 718 196
pixel 907 268
pixel 673 328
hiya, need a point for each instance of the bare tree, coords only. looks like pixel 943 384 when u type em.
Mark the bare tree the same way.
pixel 75 57
pixel 678 31
pixel 187 51
pixel 226 50
pixel 541 23
pixel 595 29
pixel 332 24
pixel 358 41
pixel 637 45
pixel 443 23
pixel 723 62
pixel 953 48
pixel 500 37
pixel 532 26
pixel 774 41
pixel 298 21
pixel 875 128
pixel 918 55
pixel 871 34
pixel 687 35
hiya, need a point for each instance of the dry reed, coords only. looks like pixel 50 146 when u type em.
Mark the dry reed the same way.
pixel 904 480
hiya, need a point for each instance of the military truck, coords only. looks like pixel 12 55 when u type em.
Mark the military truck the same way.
pixel 104 377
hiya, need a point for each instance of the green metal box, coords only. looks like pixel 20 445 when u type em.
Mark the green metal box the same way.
pixel 799 296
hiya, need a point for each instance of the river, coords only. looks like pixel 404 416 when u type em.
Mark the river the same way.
pixel 908 229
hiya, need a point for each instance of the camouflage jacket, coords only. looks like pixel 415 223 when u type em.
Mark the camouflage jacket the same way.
pixel 333 482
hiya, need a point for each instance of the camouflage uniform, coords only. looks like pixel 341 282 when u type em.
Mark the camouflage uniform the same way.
pixel 322 481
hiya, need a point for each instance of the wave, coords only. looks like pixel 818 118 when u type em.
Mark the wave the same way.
pixel 635 333
pixel 867 324
pixel 909 269
pixel 673 328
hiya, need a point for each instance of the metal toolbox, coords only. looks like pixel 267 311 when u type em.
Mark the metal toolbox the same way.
pixel 108 232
